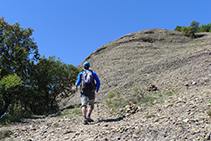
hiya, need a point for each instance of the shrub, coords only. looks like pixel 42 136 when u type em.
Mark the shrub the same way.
pixel 149 115
pixel 209 112
pixel 178 28
pixel 136 91
pixel 204 28
pixel 115 101
pixel 189 31
pixel 110 95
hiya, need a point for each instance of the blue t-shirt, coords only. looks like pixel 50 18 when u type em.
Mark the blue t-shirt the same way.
pixel 95 78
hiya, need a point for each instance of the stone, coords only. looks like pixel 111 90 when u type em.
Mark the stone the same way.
pixel 66 138
pixel 135 136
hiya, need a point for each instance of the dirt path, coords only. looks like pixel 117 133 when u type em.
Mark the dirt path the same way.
pixel 182 116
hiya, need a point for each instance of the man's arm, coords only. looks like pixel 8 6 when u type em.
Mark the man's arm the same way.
pixel 78 80
pixel 97 80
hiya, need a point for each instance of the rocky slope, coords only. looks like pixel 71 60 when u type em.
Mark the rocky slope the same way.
pixel 164 58
pixel 156 57
pixel 182 116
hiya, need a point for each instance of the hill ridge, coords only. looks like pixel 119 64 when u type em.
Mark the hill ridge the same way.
pixel 136 53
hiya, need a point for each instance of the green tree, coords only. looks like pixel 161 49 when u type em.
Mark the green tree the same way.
pixel 18 52
pixel 42 80
pixel 191 30
pixel 6 84
pixel 178 28
pixel 51 79
pixel 185 30
pixel 195 24
pixel 9 81
pixel 205 28
pixel 209 26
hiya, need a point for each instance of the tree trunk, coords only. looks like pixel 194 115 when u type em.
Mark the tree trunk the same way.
pixel 5 108
pixel 47 100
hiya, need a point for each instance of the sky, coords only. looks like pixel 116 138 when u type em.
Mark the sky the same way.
pixel 72 29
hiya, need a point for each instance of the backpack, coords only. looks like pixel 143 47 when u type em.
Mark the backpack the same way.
pixel 88 83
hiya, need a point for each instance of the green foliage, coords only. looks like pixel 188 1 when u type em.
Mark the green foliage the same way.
pixel 9 81
pixel 70 113
pixel 136 91
pixel 195 24
pixel 17 54
pixel 191 30
pixel 115 101
pixel 149 115
pixel 110 95
pixel 178 28
pixel 209 112
pixel 15 113
pixel 52 78
pixel 148 100
pixel 205 28
pixel 107 102
pixel 29 83
pixel 15 110
pixel 185 30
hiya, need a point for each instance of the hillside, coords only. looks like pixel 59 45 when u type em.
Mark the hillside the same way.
pixel 159 57
pixel 161 63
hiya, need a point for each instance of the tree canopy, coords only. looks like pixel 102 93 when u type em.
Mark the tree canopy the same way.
pixel 193 28
pixel 26 79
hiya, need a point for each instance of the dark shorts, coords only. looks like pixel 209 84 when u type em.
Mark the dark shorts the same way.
pixel 87 98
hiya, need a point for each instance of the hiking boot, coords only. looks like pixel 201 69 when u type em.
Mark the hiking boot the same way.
pixel 86 122
pixel 90 120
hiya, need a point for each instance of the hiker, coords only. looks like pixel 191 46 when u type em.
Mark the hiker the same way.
pixel 87 79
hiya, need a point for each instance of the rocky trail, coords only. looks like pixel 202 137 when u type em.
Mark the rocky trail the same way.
pixel 181 116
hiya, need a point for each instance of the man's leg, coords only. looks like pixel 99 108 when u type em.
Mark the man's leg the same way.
pixel 91 107
pixel 84 111
pixel 89 112
pixel 83 107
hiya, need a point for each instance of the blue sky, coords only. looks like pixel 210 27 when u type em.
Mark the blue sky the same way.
pixel 73 29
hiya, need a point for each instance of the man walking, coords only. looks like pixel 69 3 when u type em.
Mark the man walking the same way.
pixel 87 79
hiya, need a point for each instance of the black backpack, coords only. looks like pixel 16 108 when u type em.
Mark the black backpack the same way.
pixel 88 83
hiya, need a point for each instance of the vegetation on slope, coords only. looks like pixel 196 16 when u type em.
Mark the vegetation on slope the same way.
pixel 29 84
pixel 193 28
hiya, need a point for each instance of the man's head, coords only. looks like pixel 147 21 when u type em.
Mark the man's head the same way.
pixel 86 65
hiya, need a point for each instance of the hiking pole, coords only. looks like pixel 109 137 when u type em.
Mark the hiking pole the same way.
pixel 97 106
pixel 75 102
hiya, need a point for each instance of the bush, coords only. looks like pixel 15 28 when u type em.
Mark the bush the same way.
pixel 193 28
pixel 189 31
pixel 149 115
pixel 178 28
pixel 209 112
pixel 115 101
pixel 110 95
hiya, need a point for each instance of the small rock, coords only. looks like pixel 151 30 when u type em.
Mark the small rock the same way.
pixel 135 136
pixel 66 138
pixel 156 123
pixel 194 83
pixel 69 131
